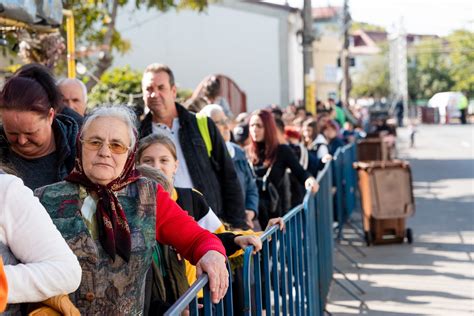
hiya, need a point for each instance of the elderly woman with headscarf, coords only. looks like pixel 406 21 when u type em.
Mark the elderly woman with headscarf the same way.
pixel 106 213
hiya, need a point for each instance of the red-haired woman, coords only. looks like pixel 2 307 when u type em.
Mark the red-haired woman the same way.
pixel 270 160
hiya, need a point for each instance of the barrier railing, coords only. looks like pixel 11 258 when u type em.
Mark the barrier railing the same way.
pixel 189 300
pixel 292 273
pixel 345 181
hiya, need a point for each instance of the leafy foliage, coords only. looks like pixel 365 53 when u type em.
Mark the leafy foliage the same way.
pixel 118 86
pixel 96 31
pixel 429 70
pixel 461 43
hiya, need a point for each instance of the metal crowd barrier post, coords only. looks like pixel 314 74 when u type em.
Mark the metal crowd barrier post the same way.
pixel 338 173
pixel 189 300
pixel 324 221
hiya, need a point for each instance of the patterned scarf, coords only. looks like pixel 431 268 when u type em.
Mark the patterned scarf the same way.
pixel 114 232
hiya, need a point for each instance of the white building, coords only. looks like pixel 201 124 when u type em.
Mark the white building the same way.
pixel 255 44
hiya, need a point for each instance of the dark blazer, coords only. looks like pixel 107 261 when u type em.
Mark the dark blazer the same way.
pixel 214 176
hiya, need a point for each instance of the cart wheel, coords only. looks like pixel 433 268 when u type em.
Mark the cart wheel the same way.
pixel 409 235
pixel 368 238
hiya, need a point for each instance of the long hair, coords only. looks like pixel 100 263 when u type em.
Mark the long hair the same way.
pixel 265 151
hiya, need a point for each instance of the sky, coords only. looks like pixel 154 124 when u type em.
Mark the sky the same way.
pixel 439 17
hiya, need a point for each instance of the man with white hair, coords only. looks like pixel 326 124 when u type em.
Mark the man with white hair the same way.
pixel 74 94
pixel 246 178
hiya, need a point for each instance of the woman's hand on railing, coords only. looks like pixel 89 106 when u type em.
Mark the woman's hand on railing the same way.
pixel 276 221
pixel 311 184
pixel 326 158
pixel 214 264
pixel 249 240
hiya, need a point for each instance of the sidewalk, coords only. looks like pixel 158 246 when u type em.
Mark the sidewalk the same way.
pixel 434 275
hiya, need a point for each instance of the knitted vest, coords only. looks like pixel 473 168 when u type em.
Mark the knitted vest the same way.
pixel 107 287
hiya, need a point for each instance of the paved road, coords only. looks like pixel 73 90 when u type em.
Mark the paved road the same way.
pixel 434 275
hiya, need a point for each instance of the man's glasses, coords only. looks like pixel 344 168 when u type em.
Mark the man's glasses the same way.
pixel 96 145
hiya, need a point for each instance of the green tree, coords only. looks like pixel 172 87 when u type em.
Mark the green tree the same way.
pixel 95 24
pixel 374 79
pixel 461 44
pixel 429 69
pixel 122 85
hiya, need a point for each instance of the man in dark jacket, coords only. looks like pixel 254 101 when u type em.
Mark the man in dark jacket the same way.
pixel 214 176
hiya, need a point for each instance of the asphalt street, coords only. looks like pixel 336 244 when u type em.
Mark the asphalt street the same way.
pixel 435 274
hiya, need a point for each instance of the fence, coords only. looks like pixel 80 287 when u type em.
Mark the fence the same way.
pixel 284 278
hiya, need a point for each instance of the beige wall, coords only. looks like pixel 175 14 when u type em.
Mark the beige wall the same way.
pixel 325 54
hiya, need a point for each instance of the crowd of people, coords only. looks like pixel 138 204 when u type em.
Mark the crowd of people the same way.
pixel 103 212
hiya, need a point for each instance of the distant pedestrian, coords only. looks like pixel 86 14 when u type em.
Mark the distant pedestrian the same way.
pixel 462 106
pixel 209 170
pixel 412 129
pixel 399 111
pixel 213 95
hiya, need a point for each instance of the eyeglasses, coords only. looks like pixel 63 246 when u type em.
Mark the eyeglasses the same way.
pixel 96 144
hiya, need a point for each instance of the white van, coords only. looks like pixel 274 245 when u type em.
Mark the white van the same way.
pixel 447 105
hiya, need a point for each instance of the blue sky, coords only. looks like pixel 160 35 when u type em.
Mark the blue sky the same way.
pixel 438 17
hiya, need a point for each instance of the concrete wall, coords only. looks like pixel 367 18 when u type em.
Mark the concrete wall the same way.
pixel 250 46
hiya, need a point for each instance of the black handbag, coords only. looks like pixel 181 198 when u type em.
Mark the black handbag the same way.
pixel 271 193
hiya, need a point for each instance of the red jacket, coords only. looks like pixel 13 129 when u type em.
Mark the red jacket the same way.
pixel 176 228
pixel 3 287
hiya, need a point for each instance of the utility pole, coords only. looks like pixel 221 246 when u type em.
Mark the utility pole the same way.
pixel 346 84
pixel 308 38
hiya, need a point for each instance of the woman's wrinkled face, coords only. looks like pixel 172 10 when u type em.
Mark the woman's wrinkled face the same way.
pixel 160 157
pixel 101 160
pixel 256 129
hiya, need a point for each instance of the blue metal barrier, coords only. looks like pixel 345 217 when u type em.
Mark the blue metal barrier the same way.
pixel 324 229
pixel 292 274
pixel 345 181
pixel 189 300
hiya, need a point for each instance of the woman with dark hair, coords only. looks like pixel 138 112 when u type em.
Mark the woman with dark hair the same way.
pixel 45 78
pixel 270 160
pixel 327 141
pixel 32 136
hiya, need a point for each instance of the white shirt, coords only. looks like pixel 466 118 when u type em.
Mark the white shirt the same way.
pixel 182 178
pixel 323 150
pixel 49 266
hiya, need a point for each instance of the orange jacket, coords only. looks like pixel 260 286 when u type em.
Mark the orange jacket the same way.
pixel 3 287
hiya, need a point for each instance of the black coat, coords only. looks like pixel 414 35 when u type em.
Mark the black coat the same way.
pixel 214 176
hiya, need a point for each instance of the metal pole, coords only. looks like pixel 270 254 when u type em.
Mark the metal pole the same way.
pixel 71 58
pixel 346 84
pixel 308 38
